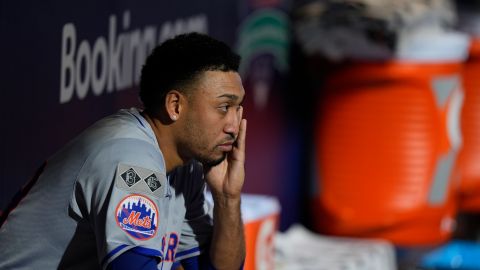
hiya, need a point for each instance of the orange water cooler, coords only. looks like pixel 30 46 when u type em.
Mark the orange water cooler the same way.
pixel 386 144
pixel 261 219
pixel 469 156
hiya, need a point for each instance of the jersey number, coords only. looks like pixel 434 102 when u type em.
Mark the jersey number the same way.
pixel 172 246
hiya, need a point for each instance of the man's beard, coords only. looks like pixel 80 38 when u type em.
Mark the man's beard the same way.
pixel 203 154
pixel 207 162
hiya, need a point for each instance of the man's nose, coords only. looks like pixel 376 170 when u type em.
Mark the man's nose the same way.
pixel 233 123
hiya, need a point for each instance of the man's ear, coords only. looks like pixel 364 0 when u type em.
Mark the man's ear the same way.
pixel 174 104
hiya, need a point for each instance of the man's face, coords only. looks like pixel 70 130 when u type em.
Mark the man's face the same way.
pixel 213 116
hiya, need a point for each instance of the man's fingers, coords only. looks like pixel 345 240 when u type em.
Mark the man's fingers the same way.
pixel 242 133
pixel 240 112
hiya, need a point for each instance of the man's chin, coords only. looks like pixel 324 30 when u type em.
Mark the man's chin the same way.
pixel 213 162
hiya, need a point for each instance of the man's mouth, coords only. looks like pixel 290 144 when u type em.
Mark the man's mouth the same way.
pixel 226 147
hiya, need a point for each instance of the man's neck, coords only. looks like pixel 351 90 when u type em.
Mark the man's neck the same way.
pixel 166 142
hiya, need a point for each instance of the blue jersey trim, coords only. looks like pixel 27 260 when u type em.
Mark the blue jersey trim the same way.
pixel 132 260
pixel 113 252
pixel 186 252
pixel 175 265
pixel 147 251
pixel 191 263
pixel 139 250
pixel 138 119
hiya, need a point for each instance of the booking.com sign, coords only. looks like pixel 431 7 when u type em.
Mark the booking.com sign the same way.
pixel 114 62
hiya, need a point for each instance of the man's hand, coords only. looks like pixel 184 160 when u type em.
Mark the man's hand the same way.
pixel 227 178
pixel 227 249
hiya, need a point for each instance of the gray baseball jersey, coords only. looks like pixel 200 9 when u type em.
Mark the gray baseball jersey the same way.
pixel 104 193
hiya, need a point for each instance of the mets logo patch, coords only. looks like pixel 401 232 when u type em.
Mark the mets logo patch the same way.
pixel 137 215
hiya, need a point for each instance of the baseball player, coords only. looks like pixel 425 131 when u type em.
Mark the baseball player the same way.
pixel 128 193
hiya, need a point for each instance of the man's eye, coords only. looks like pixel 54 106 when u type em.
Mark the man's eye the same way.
pixel 224 108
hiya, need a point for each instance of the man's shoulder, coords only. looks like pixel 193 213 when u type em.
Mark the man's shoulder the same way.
pixel 125 130
pixel 131 151
pixel 123 124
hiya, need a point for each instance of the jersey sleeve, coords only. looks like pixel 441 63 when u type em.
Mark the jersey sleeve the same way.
pixel 197 227
pixel 132 260
pixel 121 192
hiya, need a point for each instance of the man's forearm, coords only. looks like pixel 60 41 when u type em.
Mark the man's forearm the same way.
pixel 227 249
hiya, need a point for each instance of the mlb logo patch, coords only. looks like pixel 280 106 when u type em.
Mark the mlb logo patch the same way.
pixel 137 215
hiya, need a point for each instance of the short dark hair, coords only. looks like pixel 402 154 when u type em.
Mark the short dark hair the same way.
pixel 177 63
